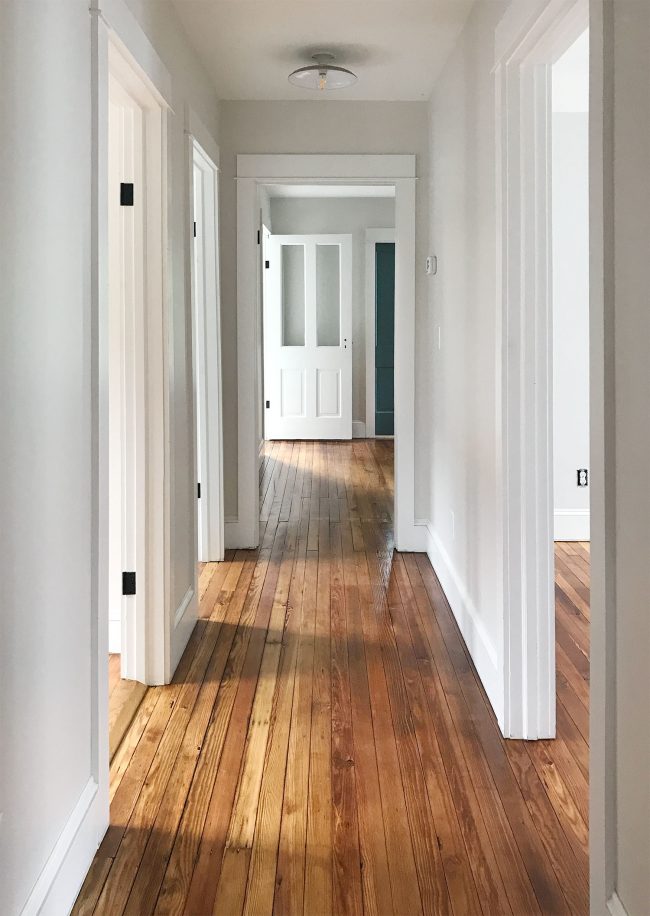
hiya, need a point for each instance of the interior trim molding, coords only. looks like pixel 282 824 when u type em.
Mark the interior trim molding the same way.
pixel 571 524
pixel 615 907
pixel 235 534
pixel 60 880
pixel 252 173
pixel 183 606
pixel 358 429
pixel 481 648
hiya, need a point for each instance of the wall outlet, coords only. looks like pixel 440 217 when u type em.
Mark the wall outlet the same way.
pixel 583 477
pixel 432 265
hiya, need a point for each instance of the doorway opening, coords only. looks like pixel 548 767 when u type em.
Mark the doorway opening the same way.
pixel 316 325
pixel 570 354
pixel 310 305
pixel 135 360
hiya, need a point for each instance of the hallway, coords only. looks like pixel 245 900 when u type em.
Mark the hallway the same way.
pixel 326 746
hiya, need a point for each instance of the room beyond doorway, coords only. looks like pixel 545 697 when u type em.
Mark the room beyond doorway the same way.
pixel 255 175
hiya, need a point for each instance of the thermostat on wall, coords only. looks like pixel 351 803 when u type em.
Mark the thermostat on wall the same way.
pixel 432 265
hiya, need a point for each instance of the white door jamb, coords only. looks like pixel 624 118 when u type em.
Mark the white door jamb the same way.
pixel 206 311
pixel 528 41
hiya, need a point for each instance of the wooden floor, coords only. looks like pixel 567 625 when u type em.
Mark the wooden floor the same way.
pixel 326 746
pixel 124 698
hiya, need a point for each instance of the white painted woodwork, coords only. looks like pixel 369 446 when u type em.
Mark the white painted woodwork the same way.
pixel 528 50
pixel 207 356
pixel 308 338
pixel 341 215
pixel 126 380
pixel 242 530
pixel 137 408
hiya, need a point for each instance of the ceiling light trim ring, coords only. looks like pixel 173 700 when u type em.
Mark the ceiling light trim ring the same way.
pixel 322 75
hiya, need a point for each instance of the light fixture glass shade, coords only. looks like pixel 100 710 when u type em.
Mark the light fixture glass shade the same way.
pixel 322 75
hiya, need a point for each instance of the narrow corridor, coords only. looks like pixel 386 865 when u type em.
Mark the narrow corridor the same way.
pixel 326 746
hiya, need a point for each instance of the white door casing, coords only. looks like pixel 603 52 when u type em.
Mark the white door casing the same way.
pixel 254 172
pixel 127 401
pixel 137 365
pixel 528 40
pixel 307 337
pixel 207 356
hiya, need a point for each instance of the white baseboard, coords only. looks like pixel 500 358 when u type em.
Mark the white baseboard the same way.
pixel 477 640
pixel 184 621
pixel 231 533
pixel 237 536
pixel 60 880
pixel 181 610
pixel 114 637
pixel 571 525
pixel 615 906
pixel 412 538
pixel 358 429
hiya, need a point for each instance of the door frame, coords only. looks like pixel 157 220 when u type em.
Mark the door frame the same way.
pixel 146 637
pixel 373 236
pixel 527 42
pixel 253 172
pixel 206 358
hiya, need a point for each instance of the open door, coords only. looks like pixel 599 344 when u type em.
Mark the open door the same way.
pixel 307 337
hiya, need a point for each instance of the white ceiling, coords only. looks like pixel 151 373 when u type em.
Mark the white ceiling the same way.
pixel 396 47
pixel 321 190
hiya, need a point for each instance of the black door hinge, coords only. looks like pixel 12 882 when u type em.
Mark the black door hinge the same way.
pixel 267 264
pixel 126 194
pixel 268 403
pixel 194 228
pixel 198 491
pixel 259 237
pixel 128 583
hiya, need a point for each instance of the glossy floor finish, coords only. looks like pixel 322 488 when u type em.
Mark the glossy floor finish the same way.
pixel 124 698
pixel 326 746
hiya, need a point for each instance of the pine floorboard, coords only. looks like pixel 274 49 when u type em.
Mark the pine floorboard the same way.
pixel 326 746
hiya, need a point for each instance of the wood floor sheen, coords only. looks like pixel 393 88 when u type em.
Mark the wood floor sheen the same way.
pixel 326 746
pixel 124 698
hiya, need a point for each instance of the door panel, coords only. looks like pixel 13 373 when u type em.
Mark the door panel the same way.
pixel 384 338
pixel 329 393
pixel 292 401
pixel 307 337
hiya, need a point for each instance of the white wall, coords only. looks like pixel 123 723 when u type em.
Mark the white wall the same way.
pixel 45 433
pixel 342 215
pixel 47 575
pixel 314 127
pixel 460 382
pixel 570 168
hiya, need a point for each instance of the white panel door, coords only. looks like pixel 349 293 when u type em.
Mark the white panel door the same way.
pixel 307 337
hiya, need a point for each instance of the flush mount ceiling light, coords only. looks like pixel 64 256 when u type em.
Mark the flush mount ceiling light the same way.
pixel 322 74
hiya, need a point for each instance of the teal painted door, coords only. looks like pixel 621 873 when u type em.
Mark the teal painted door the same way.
pixel 384 338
